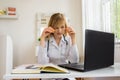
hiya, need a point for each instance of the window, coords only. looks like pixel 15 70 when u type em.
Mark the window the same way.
pixel 103 15
pixel 115 17
pixel 111 17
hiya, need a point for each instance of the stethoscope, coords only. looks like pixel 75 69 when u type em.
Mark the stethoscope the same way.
pixel 49 41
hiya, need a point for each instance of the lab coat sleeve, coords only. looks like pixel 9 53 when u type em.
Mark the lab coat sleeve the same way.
pixel 73 54
pixel 42 55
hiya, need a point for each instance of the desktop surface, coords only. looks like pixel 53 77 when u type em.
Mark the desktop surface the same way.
pixel 112 71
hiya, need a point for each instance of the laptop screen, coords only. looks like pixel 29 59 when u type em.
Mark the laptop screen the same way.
pixel 99 49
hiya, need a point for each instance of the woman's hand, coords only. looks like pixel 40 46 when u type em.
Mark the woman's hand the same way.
pixel 71 32
pixel 46 32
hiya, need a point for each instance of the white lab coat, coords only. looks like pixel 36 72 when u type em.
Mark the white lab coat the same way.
pixel 58 54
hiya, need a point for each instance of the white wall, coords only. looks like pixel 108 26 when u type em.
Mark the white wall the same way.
pixel 23 30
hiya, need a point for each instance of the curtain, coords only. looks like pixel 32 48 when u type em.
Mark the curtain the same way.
pixel 96 15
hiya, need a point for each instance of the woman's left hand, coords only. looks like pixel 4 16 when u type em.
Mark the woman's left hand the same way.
pixel 71 32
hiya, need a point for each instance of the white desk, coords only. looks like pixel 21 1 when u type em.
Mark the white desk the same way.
pixel 113 71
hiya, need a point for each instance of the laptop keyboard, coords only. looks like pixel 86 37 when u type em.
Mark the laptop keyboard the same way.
pixel 76 65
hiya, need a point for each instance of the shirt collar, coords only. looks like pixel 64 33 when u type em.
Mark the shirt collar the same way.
pixel 52 39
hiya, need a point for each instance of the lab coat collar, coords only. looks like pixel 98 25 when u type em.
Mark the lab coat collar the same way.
pixel 52 39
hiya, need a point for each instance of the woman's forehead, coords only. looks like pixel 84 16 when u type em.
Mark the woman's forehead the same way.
pixel 60 25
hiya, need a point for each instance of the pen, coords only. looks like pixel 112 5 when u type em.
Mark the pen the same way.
pixel 69 62
pixel 30 66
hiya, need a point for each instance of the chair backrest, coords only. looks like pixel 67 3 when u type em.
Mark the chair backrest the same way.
pixel 6 55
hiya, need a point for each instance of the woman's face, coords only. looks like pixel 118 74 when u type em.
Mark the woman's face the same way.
pixel 59 30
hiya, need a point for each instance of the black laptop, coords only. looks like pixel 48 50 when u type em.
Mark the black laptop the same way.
pixel 99 51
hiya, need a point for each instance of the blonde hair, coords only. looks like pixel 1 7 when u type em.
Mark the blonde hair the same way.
pixel 57 19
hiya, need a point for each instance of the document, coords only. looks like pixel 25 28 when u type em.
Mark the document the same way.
pixel 37 68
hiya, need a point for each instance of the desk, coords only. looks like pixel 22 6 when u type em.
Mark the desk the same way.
pixel 112 71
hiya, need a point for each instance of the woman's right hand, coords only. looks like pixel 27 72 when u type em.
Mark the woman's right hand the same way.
pixel 47 31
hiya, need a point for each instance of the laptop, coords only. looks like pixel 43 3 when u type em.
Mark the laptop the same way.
pixel 99 51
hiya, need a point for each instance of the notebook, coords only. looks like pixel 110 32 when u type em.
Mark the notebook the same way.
pixel 99 51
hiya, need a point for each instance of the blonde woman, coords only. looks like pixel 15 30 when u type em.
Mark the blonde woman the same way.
pixel 57 42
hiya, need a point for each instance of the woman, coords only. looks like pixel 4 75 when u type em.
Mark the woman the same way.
pixel 57 42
